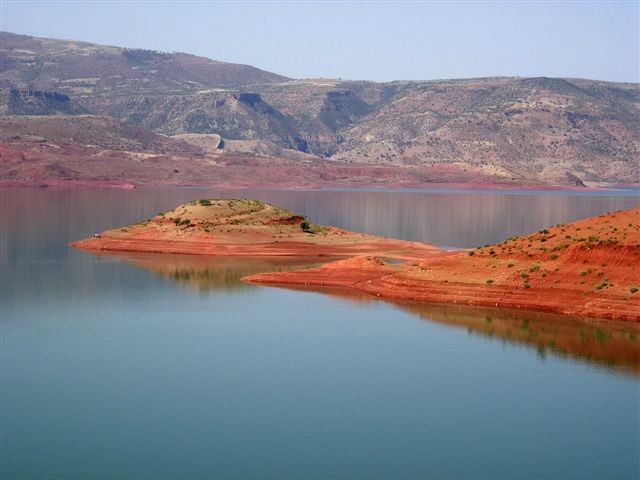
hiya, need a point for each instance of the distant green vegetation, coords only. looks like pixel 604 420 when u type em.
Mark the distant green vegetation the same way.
pixel 308 227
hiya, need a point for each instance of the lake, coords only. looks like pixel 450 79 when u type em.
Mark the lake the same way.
pixel 154 367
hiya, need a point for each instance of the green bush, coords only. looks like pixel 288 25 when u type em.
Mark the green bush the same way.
pixel 204 202
pixel 633 289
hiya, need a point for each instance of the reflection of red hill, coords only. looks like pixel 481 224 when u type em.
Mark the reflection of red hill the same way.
pixel 611 343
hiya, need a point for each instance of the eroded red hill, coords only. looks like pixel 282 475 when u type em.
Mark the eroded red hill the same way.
pixel 587 268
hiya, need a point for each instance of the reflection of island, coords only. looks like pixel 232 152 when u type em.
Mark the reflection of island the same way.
pixel 212 272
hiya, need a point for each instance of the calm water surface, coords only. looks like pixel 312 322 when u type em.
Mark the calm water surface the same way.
pixel 169 367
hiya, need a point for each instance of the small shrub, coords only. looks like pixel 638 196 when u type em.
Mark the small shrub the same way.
pixel 633 289
pixel 204 202
pixel 305 225
pixel 472 253
pixel 582 273
pixel 534 268
pixel 525 284
pixel 524 274
pixel 553 256
pixel 510 264
pixel 490 280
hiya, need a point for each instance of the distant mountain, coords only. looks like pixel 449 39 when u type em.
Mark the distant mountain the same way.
pixel 519 130
pixel 80 68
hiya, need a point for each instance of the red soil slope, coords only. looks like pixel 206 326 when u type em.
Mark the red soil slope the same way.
pixel 588 268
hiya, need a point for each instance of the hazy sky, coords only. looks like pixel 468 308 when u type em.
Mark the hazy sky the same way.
pixel 361 40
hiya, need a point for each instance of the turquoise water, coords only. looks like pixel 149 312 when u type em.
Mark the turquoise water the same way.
pixel 111 369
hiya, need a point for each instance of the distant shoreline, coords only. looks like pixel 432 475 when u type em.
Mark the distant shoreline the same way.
pixel 444 187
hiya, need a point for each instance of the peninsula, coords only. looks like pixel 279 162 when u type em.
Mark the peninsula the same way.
pixel 588 268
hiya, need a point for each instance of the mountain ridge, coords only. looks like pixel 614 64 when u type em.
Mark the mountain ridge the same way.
pixel 80 68
pixel 527 130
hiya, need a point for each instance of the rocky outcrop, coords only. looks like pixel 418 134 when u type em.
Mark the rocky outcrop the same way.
pixel 37 102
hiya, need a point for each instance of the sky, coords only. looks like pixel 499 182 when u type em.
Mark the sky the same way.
pixel 359 40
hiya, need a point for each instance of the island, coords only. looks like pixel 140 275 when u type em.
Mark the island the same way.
pixel 588 268
pixel 247 228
